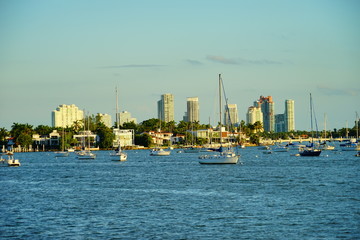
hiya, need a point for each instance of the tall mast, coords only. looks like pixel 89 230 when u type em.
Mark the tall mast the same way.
pixel 357 126
pixel 311 120
pixel 325 126
pixel 117 110
pixel 220 107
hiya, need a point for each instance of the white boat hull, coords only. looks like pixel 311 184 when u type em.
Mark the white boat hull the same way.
pixel 61 154
pixel 160 153
pixel 219 159
pixel 13 163
pixel 119 157
pixel 86 155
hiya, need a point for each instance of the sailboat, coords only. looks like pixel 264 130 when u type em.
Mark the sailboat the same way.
pixel 86 153
pixel 191 148
pixel 118 154
pixel 325 145
pixel 157 151
pixel 62 153
pixel 226 154
pixel 310 150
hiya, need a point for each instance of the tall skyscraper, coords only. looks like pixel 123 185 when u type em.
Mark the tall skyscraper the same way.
pixel 192 109
pixel 253 115
pixel 66 115
pixel 268 109
pixel 166 108
pixel 280 123
pixel 289 115
pixel 232 117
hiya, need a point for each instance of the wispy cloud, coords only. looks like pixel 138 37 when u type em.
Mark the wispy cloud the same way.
pixel 193 62
pixel 337 91
pixel 220 59
pixel 135 66
pixel 241 61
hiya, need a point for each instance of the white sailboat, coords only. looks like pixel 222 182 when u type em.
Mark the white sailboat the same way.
pixel 118 154
pixel 226 154
pixel 62 153
pixel 86 154
pixel 325 145
pixel 157 151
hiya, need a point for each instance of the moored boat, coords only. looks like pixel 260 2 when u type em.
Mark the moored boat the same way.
pixel 351 145
pixel 159 152
pixel 86 154
pixel 12 162
pixel 226 155
pixel 310 150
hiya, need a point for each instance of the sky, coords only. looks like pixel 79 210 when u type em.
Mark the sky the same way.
pixel 76 52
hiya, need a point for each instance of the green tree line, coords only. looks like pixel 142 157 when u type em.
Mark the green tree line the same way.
pixel 22 133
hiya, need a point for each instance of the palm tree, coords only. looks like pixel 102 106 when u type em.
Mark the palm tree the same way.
pixel 258 126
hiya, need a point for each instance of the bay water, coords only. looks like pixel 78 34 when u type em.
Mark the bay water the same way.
pixel 266 196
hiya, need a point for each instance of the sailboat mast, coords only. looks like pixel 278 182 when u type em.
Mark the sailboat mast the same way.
pixel 357 126
pixel 325 126
pixel 117 110
pixel 220 107
pixel 311 119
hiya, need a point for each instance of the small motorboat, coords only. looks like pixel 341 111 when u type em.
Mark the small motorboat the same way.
pixel 12 162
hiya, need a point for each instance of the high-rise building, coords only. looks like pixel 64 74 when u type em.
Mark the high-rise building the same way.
pixel 105 119
pixel 192 109
pixel 289 115
pixel 166 108
pixel 125 117
pixel 66 115
pixel 231 116
pixel 253 115
pixel 280 123
pixel 268 109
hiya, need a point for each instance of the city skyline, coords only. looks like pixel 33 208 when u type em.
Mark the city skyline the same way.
pixel 76 52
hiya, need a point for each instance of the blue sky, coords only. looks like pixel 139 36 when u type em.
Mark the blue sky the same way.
pixel 76 52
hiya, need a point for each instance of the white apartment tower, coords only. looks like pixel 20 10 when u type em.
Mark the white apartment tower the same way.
pixel 289 115
pixel 125 117
pixel 253 115
pixel 166 108
pixel 192 109
pixel 232 117
pixel 105 119
pixel 66 115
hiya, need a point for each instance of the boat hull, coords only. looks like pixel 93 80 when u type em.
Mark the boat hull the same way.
pixel 218 159
pixel 310 153
pixel 192 150
pixel 86 155
pixel 61 154
pixel 13 163
pixel 119 157
pixel 162 153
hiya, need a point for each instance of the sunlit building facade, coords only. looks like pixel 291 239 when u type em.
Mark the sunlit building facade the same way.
pixel 105 119
pixel 166 108
pixel 289 115
pixel 231 116
pixel 254 114
pixel 267 106
pixel 65 115
pixel 125 117
pixel 192 114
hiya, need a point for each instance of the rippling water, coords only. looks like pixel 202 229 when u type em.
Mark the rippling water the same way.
pixel 275 196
